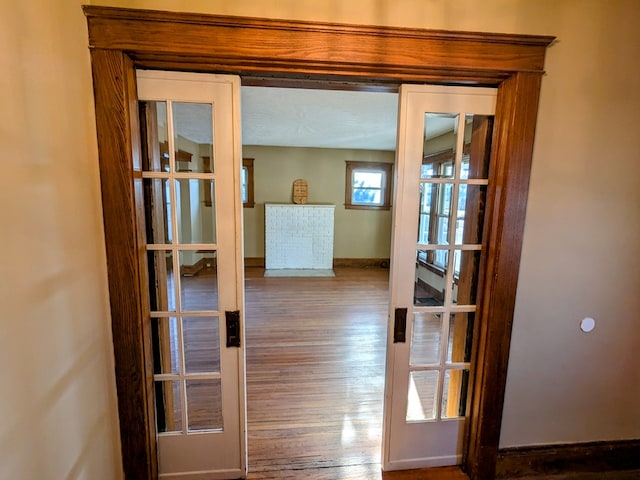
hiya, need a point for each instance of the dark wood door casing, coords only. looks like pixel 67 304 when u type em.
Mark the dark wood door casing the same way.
pixel 122 40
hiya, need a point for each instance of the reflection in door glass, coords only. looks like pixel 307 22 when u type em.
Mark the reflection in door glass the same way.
pixel 439 146
pixel 201 344
pixel 421 402
pixel 204 403
pixel 198 280
pixel 168 406
pixel 430 281
pixel 162 295
pixel 478 130
pixel 454 393
pixel 193 136
pixel 166 353
pixel 425 338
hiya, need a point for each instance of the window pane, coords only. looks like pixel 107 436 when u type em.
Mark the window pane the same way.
pixel 157 150
pixel 158 211
pixel 196 219
pixel 244 180
pixel 421 401
pixel 198 280
pixel 460 336
pixel 470 215
pixel 204 400
pixel 193 136
pixel 425 339
pixel 478 130
pixel 440 139
pixel 162 295
pixel 201 344
pixel 164 332
pixel 429 285
pixel 168 406
pixel 454 393
pixel 465 282
pixel 367 196
pixel 363 178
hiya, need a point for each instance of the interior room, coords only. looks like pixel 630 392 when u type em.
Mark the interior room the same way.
pixel 571 396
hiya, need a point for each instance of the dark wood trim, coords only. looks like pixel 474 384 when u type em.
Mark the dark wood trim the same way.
pixel 246 46
pixel 569 458
pixel 118 143
pixel 248 164
pixel 122 39
pixel 254 262
pixel 514 130
pixel 361 262
pixel 387 168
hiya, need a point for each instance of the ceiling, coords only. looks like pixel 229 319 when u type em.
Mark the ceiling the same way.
pixel 295 117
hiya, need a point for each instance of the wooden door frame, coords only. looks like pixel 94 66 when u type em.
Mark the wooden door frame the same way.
pixel 121 40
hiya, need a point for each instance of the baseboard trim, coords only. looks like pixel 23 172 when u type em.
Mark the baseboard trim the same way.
pixel 361 262
pixel 568 458
pixel 254 262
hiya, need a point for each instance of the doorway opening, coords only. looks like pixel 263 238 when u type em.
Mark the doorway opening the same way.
pixel 316 345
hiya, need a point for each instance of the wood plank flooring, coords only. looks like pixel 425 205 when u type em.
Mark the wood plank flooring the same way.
pixel 315 373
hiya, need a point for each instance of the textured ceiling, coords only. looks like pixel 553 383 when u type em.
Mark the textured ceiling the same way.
pixel 293 117
pixel 319 118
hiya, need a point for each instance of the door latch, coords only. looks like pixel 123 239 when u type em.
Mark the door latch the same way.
pixel 400 326
pixel 233 328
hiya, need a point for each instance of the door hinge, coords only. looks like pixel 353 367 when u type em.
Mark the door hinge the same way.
pixel 233 328
pixel 400 326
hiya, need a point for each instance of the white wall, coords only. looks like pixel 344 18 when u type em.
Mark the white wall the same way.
pixel 59 417
pixel 582 226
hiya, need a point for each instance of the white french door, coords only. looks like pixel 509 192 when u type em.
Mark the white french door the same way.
pixel 442 168
pixel 190 125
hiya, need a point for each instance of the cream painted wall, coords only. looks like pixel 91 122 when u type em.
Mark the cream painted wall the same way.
pixel 58 388
pixel 582 226
pixel 357 234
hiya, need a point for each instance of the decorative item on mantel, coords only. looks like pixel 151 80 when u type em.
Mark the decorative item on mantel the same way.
pixel 300 191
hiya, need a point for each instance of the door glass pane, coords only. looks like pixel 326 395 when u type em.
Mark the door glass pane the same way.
pixel 196 212
pixel 168 406
pixel 429 284
pixel 439 150
pixel 425 339
pixel 193 136
pixel 204 400
pixel 157 210
pixel 454 393
pixel 460 336
pixel 465 280
pixel 478 130
pixel 198 280
pixel 162 295
pixel 155 150
pixel 201 344
pixel 165 337
pixel 422 394
pixel 470 214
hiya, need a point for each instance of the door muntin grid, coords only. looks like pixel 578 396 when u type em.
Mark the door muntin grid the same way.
pixel 453 184
pixel 180 204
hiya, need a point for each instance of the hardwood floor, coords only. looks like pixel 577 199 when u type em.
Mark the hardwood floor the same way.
pixel 315 373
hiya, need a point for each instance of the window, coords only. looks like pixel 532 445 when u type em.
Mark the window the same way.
pixel 246 182
pixel 368 186
pixel 435 212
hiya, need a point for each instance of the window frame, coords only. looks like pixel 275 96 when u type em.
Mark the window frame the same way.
pixel 385 168
pixel 248 164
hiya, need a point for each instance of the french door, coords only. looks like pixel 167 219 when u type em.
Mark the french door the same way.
pixel 191 166
pixel 444 143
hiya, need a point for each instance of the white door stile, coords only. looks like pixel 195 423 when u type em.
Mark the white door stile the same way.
pixel 218 453
pixel 437 441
